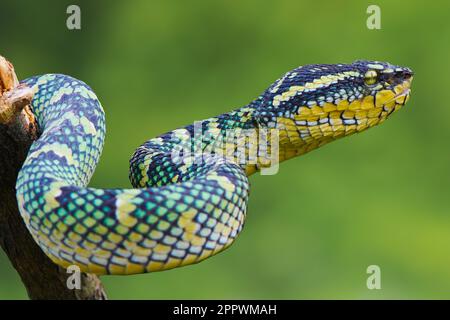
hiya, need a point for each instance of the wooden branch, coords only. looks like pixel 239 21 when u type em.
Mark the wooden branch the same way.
pixel 18 128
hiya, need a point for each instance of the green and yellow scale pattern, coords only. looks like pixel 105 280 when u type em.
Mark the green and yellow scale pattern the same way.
pixel 182 209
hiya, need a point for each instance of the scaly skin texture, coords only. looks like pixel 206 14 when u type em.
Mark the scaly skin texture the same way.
pixel 191 183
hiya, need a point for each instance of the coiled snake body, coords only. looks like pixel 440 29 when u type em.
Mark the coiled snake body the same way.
pixel 191 185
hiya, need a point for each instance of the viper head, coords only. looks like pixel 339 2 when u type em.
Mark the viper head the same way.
pixel 314 104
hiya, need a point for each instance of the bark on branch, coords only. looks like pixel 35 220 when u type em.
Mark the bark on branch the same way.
pixel 18 128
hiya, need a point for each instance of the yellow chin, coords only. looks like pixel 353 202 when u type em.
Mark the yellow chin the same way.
pixel 314 126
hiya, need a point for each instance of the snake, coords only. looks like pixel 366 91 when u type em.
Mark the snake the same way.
pixel 190 185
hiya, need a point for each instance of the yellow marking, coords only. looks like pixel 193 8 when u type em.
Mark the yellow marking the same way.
pixel 61 226
pixel 133 268
pixel 399 89
pixel 154 266
pixel 189 259
pixel 220 247
pixel 172 263
pixel 102 253
pixel 360 114
pixel 198 241
pixel 135 237
pixel 383 97
pixel 326 129
pixel 342 105
pixel 58 95
pixel 316 110
pixel 249 170
pixel 226 229
pixel 74 237
pixel 338 130
pixel 108 245
pixel 129 245
pixel 100 229
pixel 283 137
pixel 58 236
pixel 144 252
pixel 376 66
pixel 51 195
pixel 350 129
pixel 373 113
pixel 205 254
pixel 186 222
pixel 83 252
pixel 312 118
pixel 328 107
pixel 367 103
pixel 86 93
pixel 361 126
pixel 401 98
pixel 162 249
pixel 89 222
pixel 116 269
pixel 115 238
pixel 214 132
pixel 354 105
pixel 222 181
pixel 44 80
pixel 290 128
pixel 315 132
pixel 124 207
pixel 315 84
pixel 89 245
pixel 304 111
pixel 389 106
pixel 61 150
pixel 335 115
pixel 88 126
pixel 348 114
pixel 181 133
pixel 80 229
pixel 373 121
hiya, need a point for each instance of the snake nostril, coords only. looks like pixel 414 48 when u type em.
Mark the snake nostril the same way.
pixel 408 73
pixel 402 75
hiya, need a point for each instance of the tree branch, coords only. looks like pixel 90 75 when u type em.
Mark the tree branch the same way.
pixel 18 129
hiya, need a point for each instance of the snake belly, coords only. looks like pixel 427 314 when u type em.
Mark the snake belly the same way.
pixel 180 212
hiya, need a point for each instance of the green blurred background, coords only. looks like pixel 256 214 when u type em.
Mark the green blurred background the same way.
pixel 312 230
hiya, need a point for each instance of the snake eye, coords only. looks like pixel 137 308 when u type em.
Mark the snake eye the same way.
pixel 370 77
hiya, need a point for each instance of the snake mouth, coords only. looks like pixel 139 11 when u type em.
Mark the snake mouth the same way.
pixel 402 97
pixel 402 93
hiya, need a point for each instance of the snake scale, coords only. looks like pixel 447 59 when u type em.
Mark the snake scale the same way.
pixel 190 185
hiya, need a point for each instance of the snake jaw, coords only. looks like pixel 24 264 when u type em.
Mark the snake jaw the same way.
pixel 402 90
pixel 406 93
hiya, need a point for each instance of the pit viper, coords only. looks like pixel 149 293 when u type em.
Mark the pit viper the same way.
pixel 191 185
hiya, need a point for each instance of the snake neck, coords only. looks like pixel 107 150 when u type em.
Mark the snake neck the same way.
pixel 254 140
pixel 246 136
